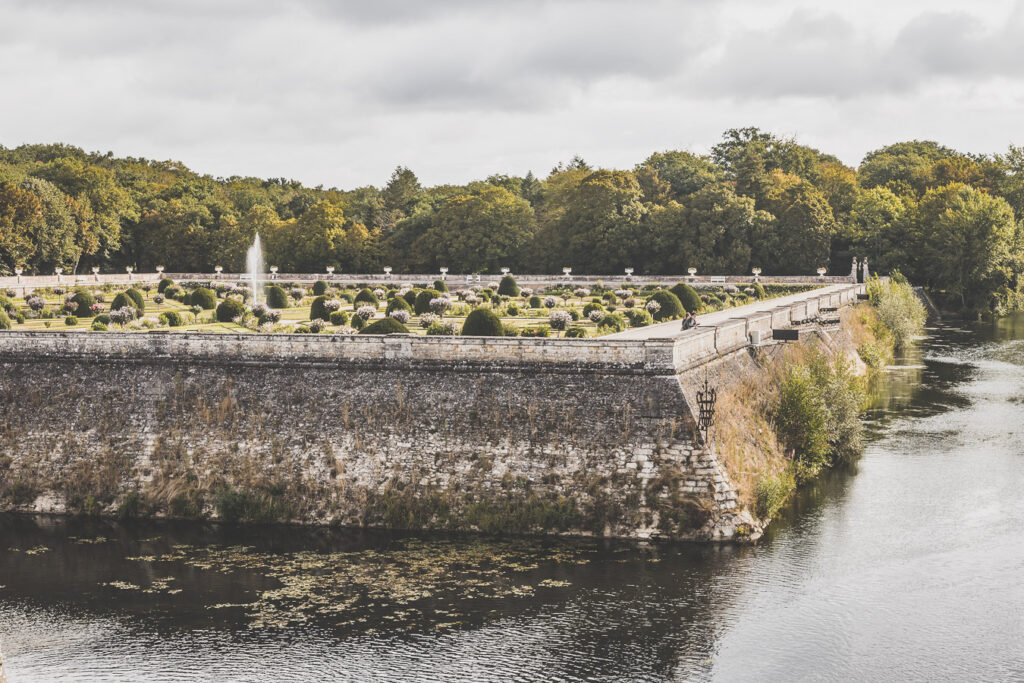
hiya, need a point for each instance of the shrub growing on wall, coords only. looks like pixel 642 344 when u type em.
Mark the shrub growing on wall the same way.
pixel 385 326
pixel 687 296
pixel 277 297
pixel 508 286
pixel 670 306
pixel 423 300
pixel 204 298
pixel 482 322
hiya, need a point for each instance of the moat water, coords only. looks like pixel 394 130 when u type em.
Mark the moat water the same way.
pixel 907 567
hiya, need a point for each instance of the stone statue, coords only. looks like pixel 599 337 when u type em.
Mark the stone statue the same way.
pixel 867 273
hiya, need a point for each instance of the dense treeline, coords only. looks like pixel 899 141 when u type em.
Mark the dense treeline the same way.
pixel 948 220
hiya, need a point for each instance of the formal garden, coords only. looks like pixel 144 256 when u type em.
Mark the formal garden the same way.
pixel 418 308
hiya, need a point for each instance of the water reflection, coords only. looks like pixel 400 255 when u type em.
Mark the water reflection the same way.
pixel 904 566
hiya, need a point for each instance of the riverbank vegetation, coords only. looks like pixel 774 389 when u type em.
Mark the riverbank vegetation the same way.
pixel 949 221
pixel 795 410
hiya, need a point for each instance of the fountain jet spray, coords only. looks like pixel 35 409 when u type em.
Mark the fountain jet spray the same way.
pixel 254 267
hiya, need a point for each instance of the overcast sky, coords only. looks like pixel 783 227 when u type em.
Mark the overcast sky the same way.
pixel 338 92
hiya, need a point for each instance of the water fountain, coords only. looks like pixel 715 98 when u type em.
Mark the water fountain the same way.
pixel 254 268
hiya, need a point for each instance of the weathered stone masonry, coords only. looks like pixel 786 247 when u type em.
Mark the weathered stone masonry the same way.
pixel 558 435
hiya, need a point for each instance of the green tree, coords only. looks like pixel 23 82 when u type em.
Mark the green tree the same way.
pixel 21 219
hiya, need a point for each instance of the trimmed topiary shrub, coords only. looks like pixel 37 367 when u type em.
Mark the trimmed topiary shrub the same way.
pixel 164 284
pixel 319 287
pixel 102 318
pixel 365 296
pixel 5 322
pixel 638 317
pixel 536 301
pixel 98 326
pixel 136 296
pixel 70 320
pixel 577 332
pixel 482 322
pixel 398 304
pixel 759 291
pixel 171 319
pixel 423 300
pixel 508 286
pixel 229 309
pixel 410 298
pixel 84 302
pixel 277 297
pixel 591 307
pixel 440 286
pixel 204 298
pixel 318 309
pixel 670 307
pixel 358 323
pixel 122 300
pixel 339 318
pixel 688 297
pixel 385 326
pixel 613 322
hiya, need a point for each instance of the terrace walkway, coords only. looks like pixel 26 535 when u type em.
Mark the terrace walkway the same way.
pixel 673 328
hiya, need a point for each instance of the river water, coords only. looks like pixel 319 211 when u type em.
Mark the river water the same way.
pixel 907 567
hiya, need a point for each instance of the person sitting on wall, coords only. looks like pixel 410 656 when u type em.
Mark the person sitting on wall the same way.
pixel 690 321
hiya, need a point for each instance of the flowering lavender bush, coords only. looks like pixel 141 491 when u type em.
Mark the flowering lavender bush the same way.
pixel 36 303
pixel 158 299
pixel 271 316
pixel 366 312
pixel 581 292
pixel 401 316
pixel 473 300
pixel 526 291
pixel 333 305
pixel 196 310
pixel 69 307
pixel 750 291
pixel 550 301
pixel 596 316
pixel 623 293
pixel 123 316
pixel 260 310
pixel 653 307
pixel 10 293
pixel 379 293
pixel 559 320
pixel 96 309
pixel 317 326
pixel 440 304
pixel 732 289
pixel 297 293
pixel 427 318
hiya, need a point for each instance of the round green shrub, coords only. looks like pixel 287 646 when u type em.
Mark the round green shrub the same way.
pixel 357 322
pixel 5 322
pixel 120 301
pixel 70 321
pixel 302 329
pixel 229 309
pixel 589 308
pixel 318 310
pixel 410 298
pixel 319 287
pixel 339 318
pixel 576 332
pixel 164 284
pixel 85 301
pixel 136 296
pixel 204 298
pixel 171 319
pixel 688 297
pixel 671 307
pixel 367 297
pixel 440 286
pixel 508 286
pixel 423 300
pixel 398 304
pixel 385 326
pixel 277 297
pixel 102 319
pixel 482 322
pixel 512 310
pixel 613 322
pixel 638 317
pixel 98 326
pixel 536 301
